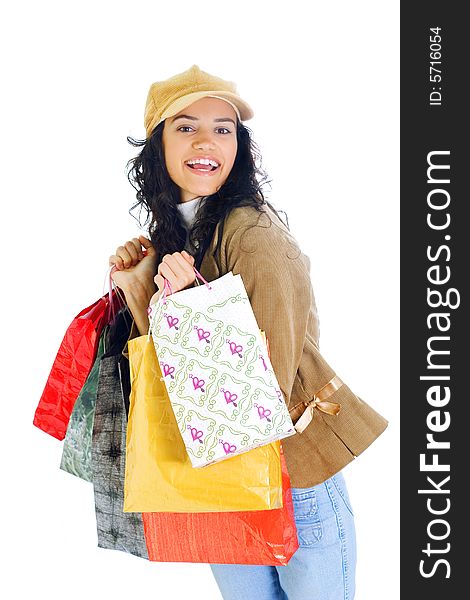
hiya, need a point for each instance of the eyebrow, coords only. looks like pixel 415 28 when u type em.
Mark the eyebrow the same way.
pixel 222 120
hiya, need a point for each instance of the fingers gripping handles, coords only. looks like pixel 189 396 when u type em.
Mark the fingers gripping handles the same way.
pixel 167 291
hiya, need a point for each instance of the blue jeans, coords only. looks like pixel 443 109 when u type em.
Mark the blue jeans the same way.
pixel 323 568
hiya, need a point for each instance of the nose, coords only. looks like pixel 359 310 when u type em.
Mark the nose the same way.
pixel 204 140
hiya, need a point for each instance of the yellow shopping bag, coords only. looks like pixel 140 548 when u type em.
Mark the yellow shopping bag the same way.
pixel 159 476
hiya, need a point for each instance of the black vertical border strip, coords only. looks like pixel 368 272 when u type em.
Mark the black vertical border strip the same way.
pixel 425 129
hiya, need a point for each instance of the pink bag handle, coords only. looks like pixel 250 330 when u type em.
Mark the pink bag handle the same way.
pixel 167 285
pixel 202 278
pixel 110 282
pixel 112 286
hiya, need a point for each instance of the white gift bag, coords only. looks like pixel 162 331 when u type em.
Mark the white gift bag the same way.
pixel 216 368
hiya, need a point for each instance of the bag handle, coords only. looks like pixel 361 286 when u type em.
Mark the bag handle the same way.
pixel 112 287
pixel 167 284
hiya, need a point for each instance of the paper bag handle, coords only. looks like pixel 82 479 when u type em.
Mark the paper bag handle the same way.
pixel 167 285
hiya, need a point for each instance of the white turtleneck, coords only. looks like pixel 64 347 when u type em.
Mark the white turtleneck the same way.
pixel 187 211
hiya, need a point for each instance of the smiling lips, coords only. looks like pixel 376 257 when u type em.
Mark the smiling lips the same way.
pixel 204 167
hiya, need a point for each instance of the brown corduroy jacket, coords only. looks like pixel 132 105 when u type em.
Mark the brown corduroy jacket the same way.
pixel 276 275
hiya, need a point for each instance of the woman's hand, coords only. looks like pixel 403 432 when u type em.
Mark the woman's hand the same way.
pixel 177 269
pixel 135 270
pixel 132 265
pixel 135 275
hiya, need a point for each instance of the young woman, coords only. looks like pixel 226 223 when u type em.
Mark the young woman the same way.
pixel 197 179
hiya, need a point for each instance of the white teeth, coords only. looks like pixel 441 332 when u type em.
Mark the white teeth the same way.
pixel 203 161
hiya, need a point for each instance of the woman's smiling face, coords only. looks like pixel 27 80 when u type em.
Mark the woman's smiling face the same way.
pixel 204 130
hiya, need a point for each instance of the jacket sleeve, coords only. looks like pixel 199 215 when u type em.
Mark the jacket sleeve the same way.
pixel 276 276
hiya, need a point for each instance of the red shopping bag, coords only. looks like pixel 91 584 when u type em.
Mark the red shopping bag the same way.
pixel 260 537
pixel 72 365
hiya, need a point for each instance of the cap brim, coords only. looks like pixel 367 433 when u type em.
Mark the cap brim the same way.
pixel 242 108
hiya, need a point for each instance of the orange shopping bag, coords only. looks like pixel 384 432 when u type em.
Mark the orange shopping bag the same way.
pixel 263 537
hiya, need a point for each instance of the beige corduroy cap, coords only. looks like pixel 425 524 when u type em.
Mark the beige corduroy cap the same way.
pixel 167 98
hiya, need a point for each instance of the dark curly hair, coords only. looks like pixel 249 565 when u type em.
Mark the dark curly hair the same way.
pixel 158 195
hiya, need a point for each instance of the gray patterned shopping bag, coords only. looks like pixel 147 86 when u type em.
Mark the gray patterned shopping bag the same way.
pixel 218 375
pixel 116 530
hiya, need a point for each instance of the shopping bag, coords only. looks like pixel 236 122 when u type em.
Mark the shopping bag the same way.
pixel 76 451
pixel 220 381
pixel 266 537
pixel 116 530
pixel 72 365
pixel 159 475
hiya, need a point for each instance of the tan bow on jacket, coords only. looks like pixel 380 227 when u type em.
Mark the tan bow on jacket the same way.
pixel 302 413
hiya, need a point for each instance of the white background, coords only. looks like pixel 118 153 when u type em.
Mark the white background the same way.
pixel 322 79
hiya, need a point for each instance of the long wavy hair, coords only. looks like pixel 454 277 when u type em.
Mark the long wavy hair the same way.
pixel 157 195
